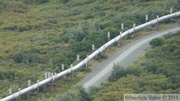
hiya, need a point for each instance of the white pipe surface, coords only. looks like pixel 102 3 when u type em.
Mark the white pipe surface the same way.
pixel 83 62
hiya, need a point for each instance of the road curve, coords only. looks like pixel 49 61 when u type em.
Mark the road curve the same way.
pixel 124 57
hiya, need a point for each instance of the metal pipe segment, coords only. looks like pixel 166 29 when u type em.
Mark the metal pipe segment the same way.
pixel 83 62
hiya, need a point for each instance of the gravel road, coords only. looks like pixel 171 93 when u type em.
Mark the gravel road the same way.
pixel 124 57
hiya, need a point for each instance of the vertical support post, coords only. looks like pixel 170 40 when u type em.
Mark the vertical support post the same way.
pixel 49 84
pixel 87 63
pixel 116 42
pixel 71 75
pixel 10 92
pixel 132 35
pixel 93 47
pixel 134 25
pixel 37 89
pixel 45 76
pixel 55 75
pixel 171 11
pixel 78 58
pixel 49 74
pixel 19 94
pixel 14 98
pixel 103 52
pixel 29 84
pixel 109 36
pixel 146 18
pixel 157 23
pixel 62 69
pixel 120 33
pixel 122 27
pixel 52 82
pixel 52 74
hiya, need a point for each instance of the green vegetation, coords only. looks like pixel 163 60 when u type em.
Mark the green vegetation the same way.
pixel 157 42
pixel 37 36
pixel 76 93
pixel 155 73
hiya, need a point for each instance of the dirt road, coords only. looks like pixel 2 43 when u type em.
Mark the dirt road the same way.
pixel 124 57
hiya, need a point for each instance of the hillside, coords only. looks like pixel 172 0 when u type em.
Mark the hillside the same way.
pixel 155 73
pixel 37 36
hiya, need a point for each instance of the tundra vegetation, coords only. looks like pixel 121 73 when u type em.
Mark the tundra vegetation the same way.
pixel 157 72
pixel 37 36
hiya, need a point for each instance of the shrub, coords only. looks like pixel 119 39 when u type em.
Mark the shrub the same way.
pixel 53 21
pixel 117 72
pixel 42 1
pixel 2 6
pixel 156 42
pixel 64 1
pixel 7 74
pixel 11 27
pixel 18 57
pixel 77 93
pixel 22 28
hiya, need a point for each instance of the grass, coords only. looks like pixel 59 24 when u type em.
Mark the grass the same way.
pixel 41 32
pixel 155 72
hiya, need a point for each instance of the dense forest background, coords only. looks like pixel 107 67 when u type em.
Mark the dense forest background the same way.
pixel 37 36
